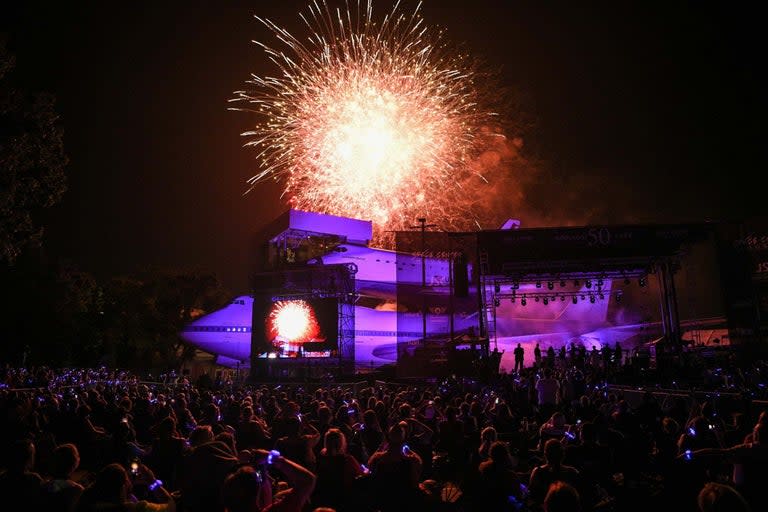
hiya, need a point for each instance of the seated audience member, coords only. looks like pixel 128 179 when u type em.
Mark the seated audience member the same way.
pixel 553 470
pixel 593 461
pixel 200 435
pixel 249 489
pixel 368 435
pixel 18 480
pixel 336 472
pixel 487 437
pixel 61 492
pixel 298 443
pixel 750 465
pixel 113 489
pixel 554 428
pixel 717 497
pixel 562 497
pixel 202 472
pixel 498 481
pixel 395 472
pixel 166 452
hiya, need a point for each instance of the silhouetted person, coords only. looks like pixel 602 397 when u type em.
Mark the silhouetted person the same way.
pixel 18 480
pixel 519 358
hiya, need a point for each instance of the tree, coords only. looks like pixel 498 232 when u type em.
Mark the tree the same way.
pixel 144 313
pixel 32 162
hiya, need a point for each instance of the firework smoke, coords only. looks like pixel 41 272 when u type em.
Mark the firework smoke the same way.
pixel 377 120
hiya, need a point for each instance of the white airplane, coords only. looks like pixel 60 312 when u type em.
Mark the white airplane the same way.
pixel 227 332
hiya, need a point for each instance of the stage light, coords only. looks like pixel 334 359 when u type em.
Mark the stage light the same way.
pixel 641 281
pixel 562 284
pixel 601 297
pixel 523 301
pixel 538 284
pixel 618 297
pixel 496 287
pixel 574 299
pixel 562 298
pixel 550 285
pixel 512 299
pixel 583 297
pixel 515 285
pixel 599 283
pixel 588 283
pixel 545 301
pixel 592 299
pixel 496 302
pixel 536 298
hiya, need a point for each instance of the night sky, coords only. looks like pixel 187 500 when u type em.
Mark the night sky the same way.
pixel 646 112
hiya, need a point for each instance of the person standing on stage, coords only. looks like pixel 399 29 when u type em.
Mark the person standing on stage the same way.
pixel 519 358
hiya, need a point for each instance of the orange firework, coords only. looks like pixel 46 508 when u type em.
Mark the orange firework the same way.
pixel 370 119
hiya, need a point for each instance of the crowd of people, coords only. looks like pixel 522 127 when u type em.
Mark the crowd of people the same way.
pixel 540 439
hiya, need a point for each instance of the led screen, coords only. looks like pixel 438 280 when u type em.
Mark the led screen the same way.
pixel 301 328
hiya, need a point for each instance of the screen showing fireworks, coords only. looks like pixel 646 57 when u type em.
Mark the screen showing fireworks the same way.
pixel 302 328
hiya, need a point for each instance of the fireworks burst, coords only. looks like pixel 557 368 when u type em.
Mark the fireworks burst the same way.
pixel 376 120
pixel 293 322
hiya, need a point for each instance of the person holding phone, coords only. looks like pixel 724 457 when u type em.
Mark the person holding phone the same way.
pixel 395 472
pixel 249 488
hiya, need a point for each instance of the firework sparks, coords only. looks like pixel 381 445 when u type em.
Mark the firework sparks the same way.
pixel 370 119
pixel 293 322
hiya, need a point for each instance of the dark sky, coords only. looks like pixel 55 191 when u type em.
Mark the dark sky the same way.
pixel 646 112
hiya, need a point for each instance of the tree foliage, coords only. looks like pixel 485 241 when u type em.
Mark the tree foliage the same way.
pixel 32 162
pixel 144 313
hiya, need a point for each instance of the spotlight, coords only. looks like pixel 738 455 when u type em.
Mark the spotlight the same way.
pixel 523 301
pixel 496 287
pixel 599 283
pixel 496 302
pixel 641 281
pixel 588 283
pixel 562 284
pixel 550 285
pixel 538 284
pixel 574 299
pixel 515 285
pixel 545 301
pixel 592 299
pixel 583 297
pixel 618 297
pixel 512 299
pixel 562 298
pixel 600 296
pixel 536 298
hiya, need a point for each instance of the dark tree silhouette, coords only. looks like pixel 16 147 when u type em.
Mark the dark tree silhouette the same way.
pixel 32 162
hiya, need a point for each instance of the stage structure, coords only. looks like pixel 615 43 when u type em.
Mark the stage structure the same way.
pixel 545 266
pixel 318 298
pixel 438 316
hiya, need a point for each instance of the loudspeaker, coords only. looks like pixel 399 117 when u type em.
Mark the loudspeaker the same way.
pixel 460 276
